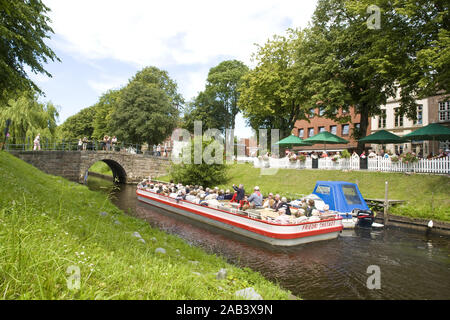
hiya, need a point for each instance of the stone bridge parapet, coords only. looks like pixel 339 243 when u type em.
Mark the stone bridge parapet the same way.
pixel 74 165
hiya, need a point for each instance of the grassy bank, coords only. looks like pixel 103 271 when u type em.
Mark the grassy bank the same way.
pixel 49 224
pixel 427 196
pixel 102 168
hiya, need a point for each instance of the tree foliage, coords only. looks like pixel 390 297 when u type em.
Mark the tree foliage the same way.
pixel 204 174
pixel 272 94
pixel 104 109
pixel 29 117
pixel 222 84
pixel 144 114
pixel 208 110
pixel 79 125
pixel 24 25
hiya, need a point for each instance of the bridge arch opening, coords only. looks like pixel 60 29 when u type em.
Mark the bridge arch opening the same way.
pixel 112 168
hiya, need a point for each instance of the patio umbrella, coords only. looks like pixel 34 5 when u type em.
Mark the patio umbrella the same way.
pixel 293 140
pixel 326 137
pixel 432 132
pixel 382 137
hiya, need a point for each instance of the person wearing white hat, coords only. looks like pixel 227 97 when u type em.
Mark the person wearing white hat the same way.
pixel 256 198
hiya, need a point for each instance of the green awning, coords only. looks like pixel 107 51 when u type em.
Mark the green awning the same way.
pixel 326 137
pixel 293 140
pixel 382 137
pixel 433 131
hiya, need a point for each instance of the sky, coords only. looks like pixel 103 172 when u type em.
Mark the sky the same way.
pixel 103 43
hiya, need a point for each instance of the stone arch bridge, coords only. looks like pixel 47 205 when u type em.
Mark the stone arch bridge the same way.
pixel 74 165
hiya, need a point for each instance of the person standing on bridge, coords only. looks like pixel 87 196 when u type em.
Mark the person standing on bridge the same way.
pixel 85 141
pixel 37 142
pixel 158 150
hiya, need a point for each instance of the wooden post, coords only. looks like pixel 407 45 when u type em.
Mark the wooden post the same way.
pixel 386 204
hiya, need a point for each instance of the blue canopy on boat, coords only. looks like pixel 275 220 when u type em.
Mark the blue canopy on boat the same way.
pixel 341 196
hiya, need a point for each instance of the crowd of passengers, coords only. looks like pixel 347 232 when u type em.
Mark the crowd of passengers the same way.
pixel 296 211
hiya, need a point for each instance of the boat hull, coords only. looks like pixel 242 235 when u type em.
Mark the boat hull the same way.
pixel 273 234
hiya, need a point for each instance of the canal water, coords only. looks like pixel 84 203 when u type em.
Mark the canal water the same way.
pixel 411 264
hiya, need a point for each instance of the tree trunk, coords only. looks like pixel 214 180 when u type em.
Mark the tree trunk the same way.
pixel 363 125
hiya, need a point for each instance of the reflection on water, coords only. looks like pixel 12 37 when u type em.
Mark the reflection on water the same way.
pixel 413 265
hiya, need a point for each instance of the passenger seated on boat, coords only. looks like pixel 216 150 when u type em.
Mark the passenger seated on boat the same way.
pixel 181 195
pixel 283 218
pixel 276 202
pixel 173 193
pixel 220 195
pixel 315 213
pixel 244 204
pixel 300 216
pixel 227 195
pixel 310 207
pixel 256 198
pixel 213 203
pixel 191 196
pixel 212 195
pixel 268 203
pixel 283 205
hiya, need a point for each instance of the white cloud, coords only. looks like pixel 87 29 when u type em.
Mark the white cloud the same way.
pixel 159 33
pixel 192 36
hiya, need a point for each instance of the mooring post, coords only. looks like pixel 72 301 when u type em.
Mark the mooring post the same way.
pixel 386 204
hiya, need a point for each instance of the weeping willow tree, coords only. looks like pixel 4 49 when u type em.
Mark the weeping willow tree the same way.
pixel 28 118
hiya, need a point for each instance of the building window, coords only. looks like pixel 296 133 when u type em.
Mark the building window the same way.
pixel 419 115
pixel 312 112
pixel 321 129
pixel 321 111
pixel 444 111
pixel 333 129
pixel 301 133
pixel 382 119
pixel 398 122
pixel 310 132
pixel 345 129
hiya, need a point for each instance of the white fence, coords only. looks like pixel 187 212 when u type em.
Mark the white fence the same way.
pixel 441 165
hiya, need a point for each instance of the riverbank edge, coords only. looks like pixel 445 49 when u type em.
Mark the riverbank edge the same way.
pixel 191 257
pixel 419 224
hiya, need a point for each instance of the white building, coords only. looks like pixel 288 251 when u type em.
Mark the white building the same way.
pixel 430 110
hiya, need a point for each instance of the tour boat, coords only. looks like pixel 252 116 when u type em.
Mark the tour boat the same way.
pixel 246 223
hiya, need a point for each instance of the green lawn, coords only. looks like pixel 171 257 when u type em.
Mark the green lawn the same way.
pixel 428 196
pixel 102 168
pixel 49 224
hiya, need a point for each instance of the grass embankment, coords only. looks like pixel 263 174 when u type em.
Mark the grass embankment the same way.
pixel 427 196
pixel 101 168
pixel 48 224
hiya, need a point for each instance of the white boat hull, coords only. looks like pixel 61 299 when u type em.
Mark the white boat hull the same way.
pixel 271 233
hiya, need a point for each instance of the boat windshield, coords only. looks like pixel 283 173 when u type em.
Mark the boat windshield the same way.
pixel 350 194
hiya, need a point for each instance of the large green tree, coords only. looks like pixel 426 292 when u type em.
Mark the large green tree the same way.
pixel 144 114
pixel 349 64
pixel 222 84
pixel 208 110
pixel 24 26
pixel 272 95
pixel 79 125
pixel 104 110
pixel 161 79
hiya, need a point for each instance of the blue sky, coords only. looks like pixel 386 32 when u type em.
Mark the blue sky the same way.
pixel 103 43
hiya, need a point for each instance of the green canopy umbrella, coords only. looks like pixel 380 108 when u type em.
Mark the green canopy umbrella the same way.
pixel 293 140
pixel 382 137
pixel 432 132
pixel 326 137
